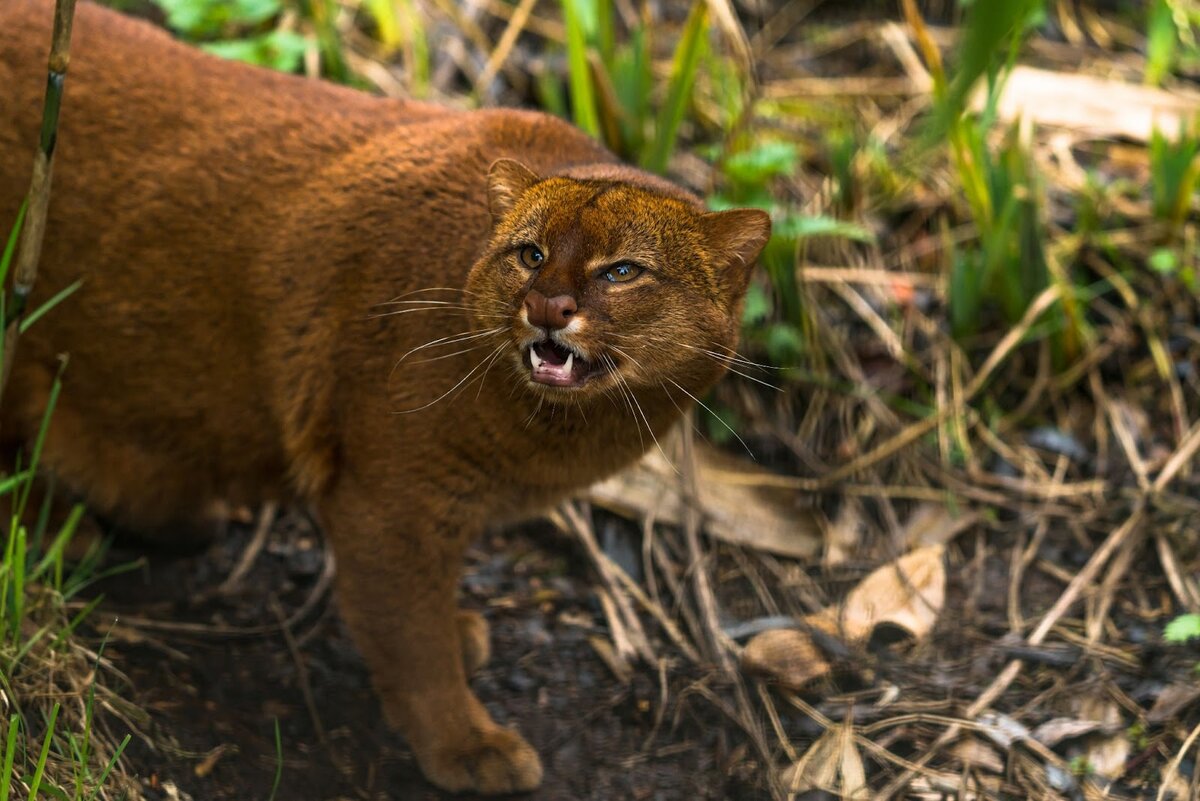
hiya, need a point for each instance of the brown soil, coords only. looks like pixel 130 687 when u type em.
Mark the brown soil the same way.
pixel 213 697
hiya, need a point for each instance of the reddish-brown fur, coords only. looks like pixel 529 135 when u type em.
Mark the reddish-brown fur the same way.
pixel 241 233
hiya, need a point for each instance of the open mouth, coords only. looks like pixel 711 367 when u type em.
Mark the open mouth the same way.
pixel 556 366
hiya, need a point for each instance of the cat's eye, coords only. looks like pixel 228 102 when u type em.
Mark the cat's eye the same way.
pixel 532 257
pixel 620 273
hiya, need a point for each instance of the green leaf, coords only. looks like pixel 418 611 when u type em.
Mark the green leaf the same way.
pixel 679 91
pixel 386 23
pixel 762 162
pixel 801 226
pixel 278 50
pixel 1182 629
pixel 583 97
pixel 197 19
pixel 1164 261
pixel 784 344
pixel 757 306
pixel 58 298
pixel 11 245
pixel 1161 38
pixel 991 27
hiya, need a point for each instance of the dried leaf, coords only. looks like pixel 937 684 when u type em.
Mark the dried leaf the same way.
pixel 975 753
pixel 832 764
pixel 909 593
pixel 933 524
pixel 1055 730
pixel 1084 103
pixel 1001 729
pixel 938 786
pixel 743 503
pixel 786 656
pixel 1106 754
pixel 1172 701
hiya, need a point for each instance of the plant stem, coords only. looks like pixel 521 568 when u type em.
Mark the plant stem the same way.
pixel 34 228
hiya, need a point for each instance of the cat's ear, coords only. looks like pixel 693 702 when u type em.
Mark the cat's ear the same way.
pixel 507 181
pixel 736 238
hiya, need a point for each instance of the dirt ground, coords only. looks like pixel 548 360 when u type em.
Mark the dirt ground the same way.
pixel 213 697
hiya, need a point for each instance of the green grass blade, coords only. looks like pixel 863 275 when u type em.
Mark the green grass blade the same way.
pixel 10 246
pixel 11 483
pixel 17 585
pixel 112 763
pixel 989 26
pixel 679 91
pixel 58 298
pixel 278 762
pixel 605 33
pixel 583 95
pixel 53 554
pixel 10 753
pixel 1161 38
pixel 82 615
pixel 386 22
pixel 40 770
pixel 549 90
pixel 40 442
pixel 416 47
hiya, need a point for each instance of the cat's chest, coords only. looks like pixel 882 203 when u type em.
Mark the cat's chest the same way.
pixel 558 457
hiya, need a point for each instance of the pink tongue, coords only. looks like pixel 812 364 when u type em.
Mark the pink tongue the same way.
pixel 552 369
pixel 552 374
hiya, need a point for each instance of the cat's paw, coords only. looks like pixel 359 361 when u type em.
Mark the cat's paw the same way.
pixel 490 762
pixel 473 637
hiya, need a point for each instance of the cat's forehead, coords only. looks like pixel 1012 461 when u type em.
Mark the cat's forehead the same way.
pixel 607 216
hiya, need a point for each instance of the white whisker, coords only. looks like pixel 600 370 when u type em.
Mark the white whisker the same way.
pixel 704 406
pixel 456 386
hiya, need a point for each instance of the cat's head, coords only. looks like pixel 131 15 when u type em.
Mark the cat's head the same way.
pixel 608 276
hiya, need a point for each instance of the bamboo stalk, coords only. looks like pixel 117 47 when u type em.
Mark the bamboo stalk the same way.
pixel 34 228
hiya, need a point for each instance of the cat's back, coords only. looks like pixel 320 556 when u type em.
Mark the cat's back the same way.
pixel 139 105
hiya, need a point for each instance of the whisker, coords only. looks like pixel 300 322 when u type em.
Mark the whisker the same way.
pixel 638 405
pixel 483 376
pixel 682 413
pixel 448 355
pixel 620 385
pixel 534 413
pixel 454 339
pixel 463 290
pixel 489 315
pixel 724 358
pixel 706 408
pixel 456 386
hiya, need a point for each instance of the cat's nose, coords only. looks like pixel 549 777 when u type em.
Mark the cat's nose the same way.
pixel 544 312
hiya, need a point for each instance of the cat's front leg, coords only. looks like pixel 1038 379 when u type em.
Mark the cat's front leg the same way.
pixel 398 570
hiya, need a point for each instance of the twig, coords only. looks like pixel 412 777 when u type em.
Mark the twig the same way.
pixel 623 618
pixel 691 518
pixel 508 39
pixel 34 228
pixel 1013 668
pixel 319 590
pixel 1173 769
pixel 265 518
pixel 301 669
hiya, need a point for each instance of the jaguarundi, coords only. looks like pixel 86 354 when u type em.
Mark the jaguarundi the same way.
pixel 414 320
